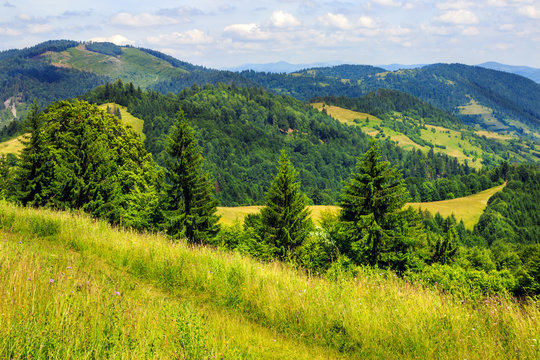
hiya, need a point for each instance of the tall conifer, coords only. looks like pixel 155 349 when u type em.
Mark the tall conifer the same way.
pixel 377 228
pixel 192 206
pixel 285 217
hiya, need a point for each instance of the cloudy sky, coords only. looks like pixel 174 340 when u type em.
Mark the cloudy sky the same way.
pixel 228 33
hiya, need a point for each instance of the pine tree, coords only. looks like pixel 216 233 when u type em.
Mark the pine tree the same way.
pixel 377 229
pixel 31 165
pixel 285 217
pixel 192 206
pixel 446 247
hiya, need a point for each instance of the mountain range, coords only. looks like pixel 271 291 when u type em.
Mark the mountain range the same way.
pixel 60 69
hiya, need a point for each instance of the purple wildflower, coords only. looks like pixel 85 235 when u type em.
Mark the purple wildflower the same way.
pixel 51 281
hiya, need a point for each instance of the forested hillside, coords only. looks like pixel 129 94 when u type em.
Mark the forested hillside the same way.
pixel 511 100
pixel 242 130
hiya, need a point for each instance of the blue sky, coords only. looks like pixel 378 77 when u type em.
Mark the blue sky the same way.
pixel 228 33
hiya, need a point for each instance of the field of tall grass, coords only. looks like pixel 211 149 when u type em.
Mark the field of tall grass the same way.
pixel 74 287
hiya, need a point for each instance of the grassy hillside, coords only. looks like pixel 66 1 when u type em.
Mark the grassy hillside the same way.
pixel 131 64
pixel 231 215
pixel 12 146
pixel 469 208
pixel 373 126
pixel 462 144
pixel 136 123
pixel 124 294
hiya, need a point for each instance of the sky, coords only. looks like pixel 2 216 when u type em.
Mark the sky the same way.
pixel 221 34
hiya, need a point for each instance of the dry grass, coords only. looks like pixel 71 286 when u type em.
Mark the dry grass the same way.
pixel 232 215
pixel 12 146
pixel 469 208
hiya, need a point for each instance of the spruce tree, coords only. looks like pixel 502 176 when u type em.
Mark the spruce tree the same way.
pixel 31 172
pixel 378 231
pixel 285 217
pixel 191 204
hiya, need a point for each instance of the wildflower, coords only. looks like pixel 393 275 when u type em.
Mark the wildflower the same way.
pixel 69 267
pixel 29 279
pixel 118 293
pixel 20 242
pixel 51 281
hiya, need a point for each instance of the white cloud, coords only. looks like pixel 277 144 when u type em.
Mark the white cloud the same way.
pixel 367 22
pixel 282 19
pixel 530 11
pixel 435 30
pixel 9 31
pixel 388 2
pixel 460 17
pixel 39 28
pixel 471 31
pixel 142 20
pixel 338 21
pixel 190 37
pixel 398 31
pixel 24 17
pixel 454 5
pixel 115 39
pixel 507 27
pixel 246 32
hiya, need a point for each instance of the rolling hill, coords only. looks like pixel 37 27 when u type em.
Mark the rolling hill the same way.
pixel 493 100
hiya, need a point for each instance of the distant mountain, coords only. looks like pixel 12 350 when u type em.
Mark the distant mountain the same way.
pixel 492 99
pixel 394 67
pixel 526 71
pixel 62 69
pixel 279 67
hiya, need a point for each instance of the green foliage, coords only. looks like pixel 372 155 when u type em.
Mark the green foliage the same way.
pixel 379 232
pixel 190 203
pixel 79 157
pixel 105 48
pixel 513 214
pixel 446 86
pixel 285 218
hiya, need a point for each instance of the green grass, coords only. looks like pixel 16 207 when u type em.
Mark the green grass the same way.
pixel 127 118
pixel 199 302
pixel 450 139
pixel 132 65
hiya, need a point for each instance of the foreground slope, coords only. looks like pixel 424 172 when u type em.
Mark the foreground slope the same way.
pixel 162 299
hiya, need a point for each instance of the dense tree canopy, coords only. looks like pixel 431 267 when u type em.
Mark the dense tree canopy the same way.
pixel 80 157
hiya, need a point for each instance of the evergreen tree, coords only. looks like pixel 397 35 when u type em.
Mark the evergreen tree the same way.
pixel 31 164
pixel 446 246
pixel 378 231
pixel 285 218
pixel 191 204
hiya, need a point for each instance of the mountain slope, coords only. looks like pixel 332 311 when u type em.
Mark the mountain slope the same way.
pixel 526 71
pixel 492 99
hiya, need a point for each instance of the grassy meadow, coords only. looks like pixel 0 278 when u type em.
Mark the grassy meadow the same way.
pixel 127 118
pixel 12 146
pixel 450 139
pixel 73 287
pixel 468 208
